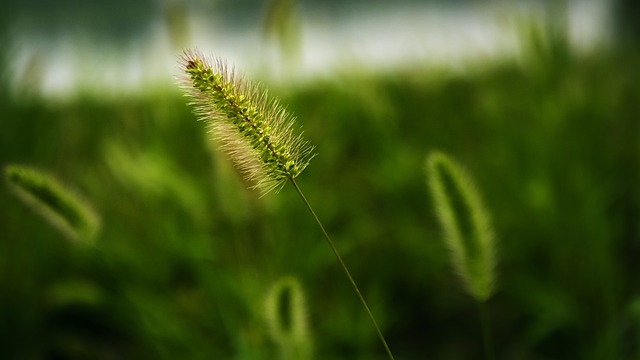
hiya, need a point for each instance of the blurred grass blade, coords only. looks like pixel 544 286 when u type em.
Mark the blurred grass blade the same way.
pixel 59 206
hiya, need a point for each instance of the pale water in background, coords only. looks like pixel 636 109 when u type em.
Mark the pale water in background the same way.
pixel 63 63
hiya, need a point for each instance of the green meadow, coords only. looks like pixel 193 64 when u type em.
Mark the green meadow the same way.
pixel 186 255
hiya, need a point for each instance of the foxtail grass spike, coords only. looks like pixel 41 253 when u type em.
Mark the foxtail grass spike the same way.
pixel 253 128
pixel 286 319
pixel 465 223
pixel 256 132
pixel 59 206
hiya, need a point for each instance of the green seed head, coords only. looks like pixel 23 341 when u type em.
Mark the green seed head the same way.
pixel 465 223
pixel 59 206
pixel 286 319
pixel 253 128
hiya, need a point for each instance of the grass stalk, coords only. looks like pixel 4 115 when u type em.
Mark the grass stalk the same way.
pixel 344 267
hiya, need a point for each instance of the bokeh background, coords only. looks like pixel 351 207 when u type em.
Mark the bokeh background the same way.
pixel 540 100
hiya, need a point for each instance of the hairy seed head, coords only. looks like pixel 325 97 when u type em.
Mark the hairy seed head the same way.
pixel 61 207
pixel 465 222
pixel 253 128
pixel 287 320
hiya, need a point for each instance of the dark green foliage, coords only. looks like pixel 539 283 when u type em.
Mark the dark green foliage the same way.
pixel 187 257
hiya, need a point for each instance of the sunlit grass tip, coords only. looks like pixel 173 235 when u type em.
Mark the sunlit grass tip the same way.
pixel 252 127
pixel 465 222
pixel 286 319
pixel 61 207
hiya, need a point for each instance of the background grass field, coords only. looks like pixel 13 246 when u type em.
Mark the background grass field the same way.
pixel 186 253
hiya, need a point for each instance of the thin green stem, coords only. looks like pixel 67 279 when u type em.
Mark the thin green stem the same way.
pixel 485 319
pixel 344 267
